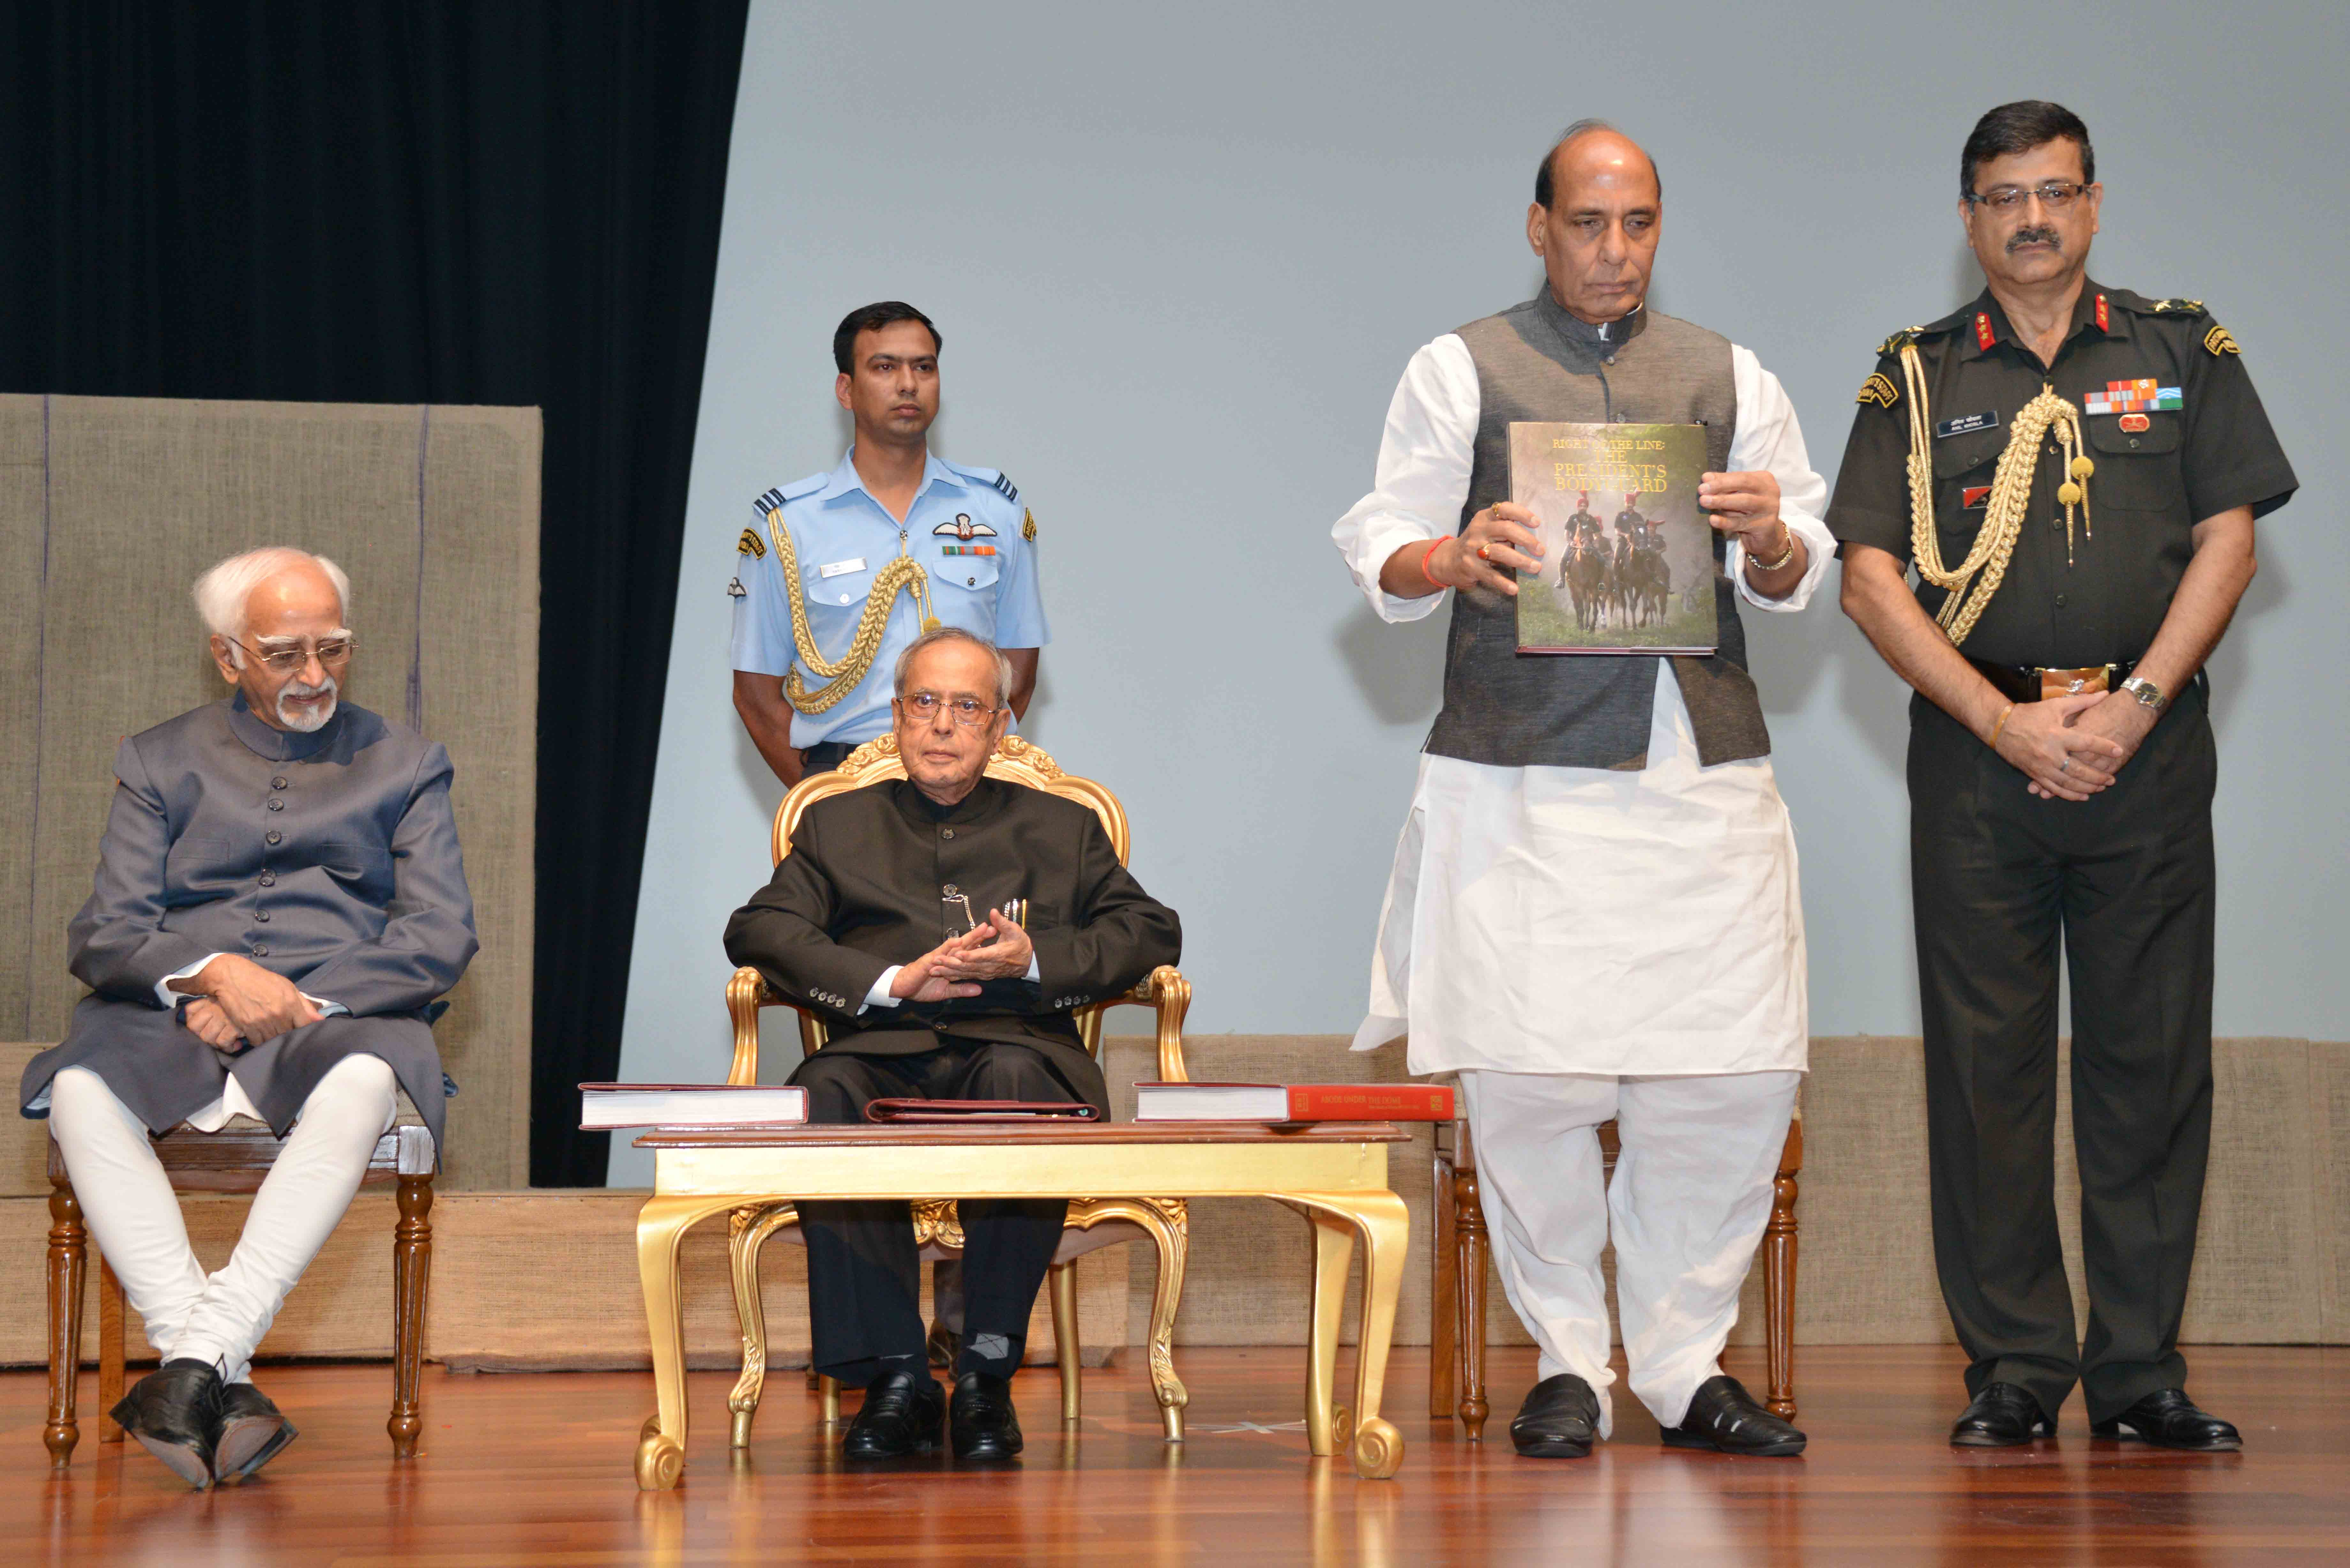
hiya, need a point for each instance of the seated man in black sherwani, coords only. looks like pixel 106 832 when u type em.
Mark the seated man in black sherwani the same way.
pixel 850 926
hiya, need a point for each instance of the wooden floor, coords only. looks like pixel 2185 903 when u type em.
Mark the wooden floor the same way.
pixel 535 1468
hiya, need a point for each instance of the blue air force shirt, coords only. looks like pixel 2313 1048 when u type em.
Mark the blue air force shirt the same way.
pixel 966 527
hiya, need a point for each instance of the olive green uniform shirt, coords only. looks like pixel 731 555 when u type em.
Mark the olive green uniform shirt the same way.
pixel 2159 471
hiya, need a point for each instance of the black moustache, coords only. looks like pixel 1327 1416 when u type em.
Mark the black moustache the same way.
pixel 2034 237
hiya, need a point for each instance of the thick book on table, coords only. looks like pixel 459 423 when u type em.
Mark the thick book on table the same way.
pixel 1627 558
pixel 1156 1102
pixel 910 1110
pixel 605 1105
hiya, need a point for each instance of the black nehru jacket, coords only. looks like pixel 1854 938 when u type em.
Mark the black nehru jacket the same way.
pixel 2157 474
pixel 862 889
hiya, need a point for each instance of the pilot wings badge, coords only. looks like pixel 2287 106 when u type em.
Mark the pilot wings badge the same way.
pixel 963 528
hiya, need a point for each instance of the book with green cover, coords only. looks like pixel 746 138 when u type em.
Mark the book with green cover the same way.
pixel 1627 558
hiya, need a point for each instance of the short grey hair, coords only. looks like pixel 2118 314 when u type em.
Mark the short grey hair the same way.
pixel 225 591
pixel 1545 191
pixel 957 633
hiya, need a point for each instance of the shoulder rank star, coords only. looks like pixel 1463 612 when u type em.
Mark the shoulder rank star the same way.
pixel 963 527
pixel 750 545
pixel 1880 389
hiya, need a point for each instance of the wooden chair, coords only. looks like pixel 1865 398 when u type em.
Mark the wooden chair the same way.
pixel 234 1159
pixel 1093 1224
pixel 1456 1359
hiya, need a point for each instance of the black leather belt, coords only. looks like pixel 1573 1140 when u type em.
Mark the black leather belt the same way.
pixel 824 756
pixel 2033 682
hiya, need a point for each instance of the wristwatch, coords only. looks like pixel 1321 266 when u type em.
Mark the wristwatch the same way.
pixel 2148 693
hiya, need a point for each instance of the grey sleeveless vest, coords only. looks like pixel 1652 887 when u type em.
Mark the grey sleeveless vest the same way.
pixel 1536 362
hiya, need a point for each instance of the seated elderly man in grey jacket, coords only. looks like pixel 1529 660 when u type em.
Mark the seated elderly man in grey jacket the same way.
pixel 279 906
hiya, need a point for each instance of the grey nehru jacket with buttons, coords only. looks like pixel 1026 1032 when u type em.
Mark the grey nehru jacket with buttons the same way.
pixel 863 889
pixel 330 858
pixel 1536 363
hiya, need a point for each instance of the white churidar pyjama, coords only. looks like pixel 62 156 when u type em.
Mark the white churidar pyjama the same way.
pixel 134 1216
pixel 1690 1197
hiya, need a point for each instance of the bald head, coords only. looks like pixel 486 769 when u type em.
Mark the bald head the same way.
pixel 1593 145
pixel 1597 208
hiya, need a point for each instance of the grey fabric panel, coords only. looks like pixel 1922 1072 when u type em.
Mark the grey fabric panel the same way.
pixel 479 661
pixel 1865 1271
pixel 23 496
pixel 2257 1275
pixel 142 495
pixel 2272 1266
pixel 2329 1099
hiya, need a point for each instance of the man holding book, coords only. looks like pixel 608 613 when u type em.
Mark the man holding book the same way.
pixel 1038 918
pixel 1593 912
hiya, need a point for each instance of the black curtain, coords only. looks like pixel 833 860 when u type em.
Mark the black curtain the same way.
pixel 498 202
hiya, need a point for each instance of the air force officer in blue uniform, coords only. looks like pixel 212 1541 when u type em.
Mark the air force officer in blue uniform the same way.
pixel 893 534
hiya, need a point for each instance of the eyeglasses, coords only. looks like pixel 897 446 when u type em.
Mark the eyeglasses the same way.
pixel 968 711
pixel 2054 194
pixel 332 653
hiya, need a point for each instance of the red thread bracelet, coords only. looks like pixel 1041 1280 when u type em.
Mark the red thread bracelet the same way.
pixel 1425 556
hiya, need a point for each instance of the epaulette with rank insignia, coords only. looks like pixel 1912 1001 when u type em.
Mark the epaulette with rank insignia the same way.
pixel 2178 307
pixel 1893 345
pixel 1011 491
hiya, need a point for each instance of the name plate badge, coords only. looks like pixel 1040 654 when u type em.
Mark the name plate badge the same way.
pixel 1967 424
pixel 837 567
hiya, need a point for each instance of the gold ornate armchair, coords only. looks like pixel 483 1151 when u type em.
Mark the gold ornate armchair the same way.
pixel 1092 1224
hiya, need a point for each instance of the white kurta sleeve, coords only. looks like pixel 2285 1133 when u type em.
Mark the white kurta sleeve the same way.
pixel 1769 438
pixel 1423 478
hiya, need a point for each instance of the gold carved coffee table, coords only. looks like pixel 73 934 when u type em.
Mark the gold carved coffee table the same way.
pixel 1334 1173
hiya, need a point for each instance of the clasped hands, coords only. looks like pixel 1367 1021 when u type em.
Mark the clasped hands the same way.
pixel 1500 541
pixel 2070 748
pixel 998 950
pixel 239 1003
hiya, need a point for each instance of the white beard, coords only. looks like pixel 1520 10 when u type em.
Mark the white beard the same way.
pixel 307 719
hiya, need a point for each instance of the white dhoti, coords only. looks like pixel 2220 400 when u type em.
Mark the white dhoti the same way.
pixel 134 1216
pixel 1582 945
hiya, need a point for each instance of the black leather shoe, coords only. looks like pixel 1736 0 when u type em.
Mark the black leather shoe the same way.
pixel 252 1430
pixel 2169 1420
pixel 982 1420
pixel 175 1411
pixel 1558 1420
pixel 2001 1417
pixel 900 1417
pixel 1723 1416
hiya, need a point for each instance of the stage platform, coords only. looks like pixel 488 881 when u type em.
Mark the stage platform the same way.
pixel 535 1469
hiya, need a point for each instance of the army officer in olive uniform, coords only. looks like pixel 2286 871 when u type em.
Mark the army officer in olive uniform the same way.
pixel 840 572
pixel 2061 769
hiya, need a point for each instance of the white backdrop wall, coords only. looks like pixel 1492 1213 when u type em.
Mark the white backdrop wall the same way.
pixel 1179 257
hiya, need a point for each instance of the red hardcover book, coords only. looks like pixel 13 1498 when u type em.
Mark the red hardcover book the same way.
pixel 603 1106
pixel 1156 1102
